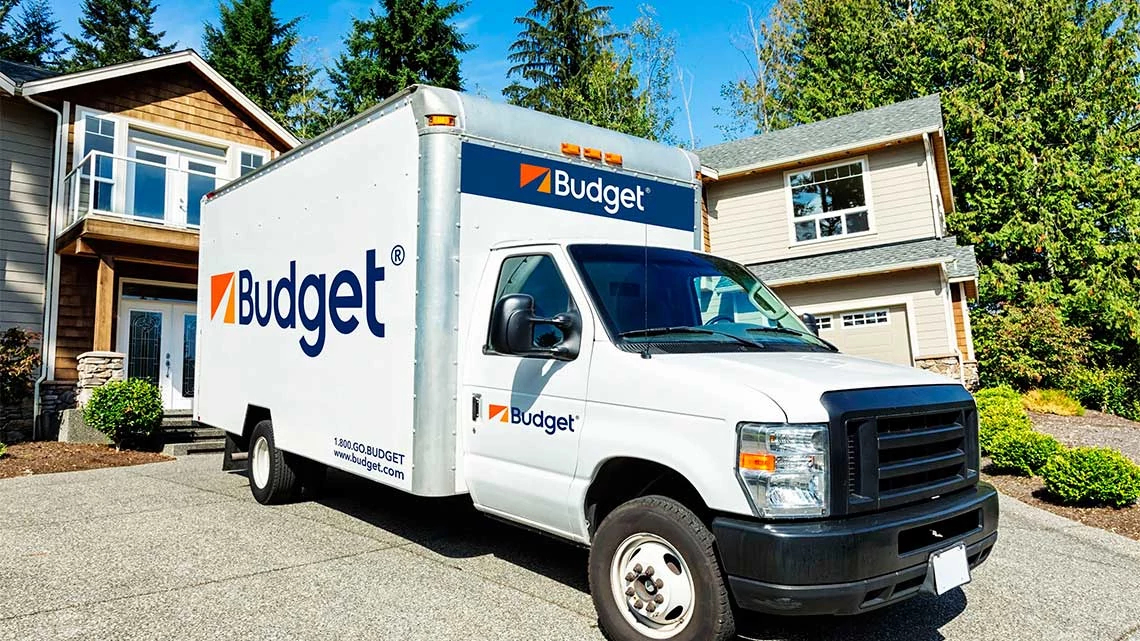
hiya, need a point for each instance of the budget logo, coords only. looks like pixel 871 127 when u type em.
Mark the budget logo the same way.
pixel 530 173
pixel 220 285
pixel 548 423
pixel 316 302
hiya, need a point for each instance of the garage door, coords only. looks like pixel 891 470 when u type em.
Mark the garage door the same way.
pixel 879 333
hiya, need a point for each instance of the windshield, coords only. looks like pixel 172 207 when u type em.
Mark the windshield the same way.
pixel 655 296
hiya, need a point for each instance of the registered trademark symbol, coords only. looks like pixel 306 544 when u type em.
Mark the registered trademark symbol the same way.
pixel 397 254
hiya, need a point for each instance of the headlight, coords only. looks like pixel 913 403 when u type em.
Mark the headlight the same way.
pixel 784 469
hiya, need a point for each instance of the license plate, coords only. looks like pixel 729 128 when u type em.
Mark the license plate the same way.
pixel 948 569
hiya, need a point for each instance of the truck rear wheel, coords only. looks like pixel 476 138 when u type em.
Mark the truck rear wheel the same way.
pixel 272 473
pixel 654 575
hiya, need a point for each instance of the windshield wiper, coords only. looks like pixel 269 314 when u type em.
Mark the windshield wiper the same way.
pixel 793 332
pixel 660 331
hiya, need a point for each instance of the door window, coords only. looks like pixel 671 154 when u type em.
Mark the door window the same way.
pixel 200 180
pixel 538 277
pixel 189 341
pixel 145 349
pixel 149 185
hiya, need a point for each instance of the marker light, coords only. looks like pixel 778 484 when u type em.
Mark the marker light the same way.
pixel 613 159
pixel 592 154
pixel 570 149
pixel 441 120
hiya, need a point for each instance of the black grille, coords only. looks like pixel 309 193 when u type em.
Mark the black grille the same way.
pixel 910 449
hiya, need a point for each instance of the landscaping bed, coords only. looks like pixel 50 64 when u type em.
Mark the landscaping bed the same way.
pixel 45 457
pixel 1124 521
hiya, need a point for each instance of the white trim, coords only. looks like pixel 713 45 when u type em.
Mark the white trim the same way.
pixel 851 273
pixel 963 279
pixel 948 307
pixel 807 156
pixel 710 173
pixel 837 307
pixel 868 203
pixel 188 56
pixel 935 194
pixel 966 322
pixel 870 314
pixel 7 84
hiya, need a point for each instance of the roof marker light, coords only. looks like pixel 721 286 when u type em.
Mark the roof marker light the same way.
pixel 570 149
pixel 441 120
pixel 613 159
pixel 592 154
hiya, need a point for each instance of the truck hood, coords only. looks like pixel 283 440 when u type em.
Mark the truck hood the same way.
pixel 796 380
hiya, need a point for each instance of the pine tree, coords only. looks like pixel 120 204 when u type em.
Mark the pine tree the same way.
pixel 6 7
pixel 115 31
pixel 34 40
pixel 252 48
pixel 556 47
pixel 411 41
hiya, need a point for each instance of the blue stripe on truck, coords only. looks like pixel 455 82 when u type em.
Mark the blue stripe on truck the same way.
pixel 509 175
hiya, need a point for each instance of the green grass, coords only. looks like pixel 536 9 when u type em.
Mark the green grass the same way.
pixel 1052 401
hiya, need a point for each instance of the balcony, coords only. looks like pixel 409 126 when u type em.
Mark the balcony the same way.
pixel 163 189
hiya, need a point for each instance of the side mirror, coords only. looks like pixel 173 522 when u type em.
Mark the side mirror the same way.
pixel 512 330
pixel 811 322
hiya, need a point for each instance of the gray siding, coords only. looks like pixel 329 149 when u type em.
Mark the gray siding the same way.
pixel 26 139
pixel 749 220
pixel 924 289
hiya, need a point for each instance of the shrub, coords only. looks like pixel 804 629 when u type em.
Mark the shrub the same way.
pixel 1106 390
pixel 1052 401
pixel 19 360
pixel 1028 346
pixel 1092 476
pixel 999 411
pixel 3 450
pixel 1023 452
pixel 128 412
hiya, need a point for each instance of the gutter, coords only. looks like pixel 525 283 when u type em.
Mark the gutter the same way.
pixel 48 337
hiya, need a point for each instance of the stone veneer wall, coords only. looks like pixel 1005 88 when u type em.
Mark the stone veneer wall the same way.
pixel 96 369
pixel 952 367
pixel 16 422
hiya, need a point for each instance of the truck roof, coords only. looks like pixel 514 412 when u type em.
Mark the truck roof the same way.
pixel 500 123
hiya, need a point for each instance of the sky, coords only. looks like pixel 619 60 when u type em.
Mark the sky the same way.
pixel 706 40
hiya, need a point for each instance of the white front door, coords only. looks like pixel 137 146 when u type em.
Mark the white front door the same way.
pixel 158 338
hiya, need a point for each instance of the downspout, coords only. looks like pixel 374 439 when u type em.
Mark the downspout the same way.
pixel 49 274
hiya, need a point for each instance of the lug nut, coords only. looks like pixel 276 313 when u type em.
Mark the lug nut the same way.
pixel 651 607
pixel 637 568
pixel 629 576
pixel 649 571
pixel 659 583
pixel 658 599
pixel 638 604
pixel 630 591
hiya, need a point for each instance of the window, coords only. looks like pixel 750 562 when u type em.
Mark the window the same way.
pixel 823 322
pixel 828 202
pixel 858 319
pixel 251 161
pixel 538 277
pixel 99 136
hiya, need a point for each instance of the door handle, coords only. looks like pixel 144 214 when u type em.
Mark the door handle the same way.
pixel 476 409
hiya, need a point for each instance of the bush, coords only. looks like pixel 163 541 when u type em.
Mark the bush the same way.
pixel 19 360
pixel 1107 390
pixel 999 411
pixel 128 412
pixel 1093 476
pixel 3 450
pixel 1052 401
pixel 1023 452
pixel 1028 347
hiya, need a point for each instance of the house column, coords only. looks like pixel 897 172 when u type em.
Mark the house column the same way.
pixel 104 304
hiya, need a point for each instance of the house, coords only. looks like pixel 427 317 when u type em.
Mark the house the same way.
pixel 101 177
pixel 846 220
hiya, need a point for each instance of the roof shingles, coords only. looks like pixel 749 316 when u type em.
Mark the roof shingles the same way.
pixel 919 114
pixel 960 261
pixel 20 72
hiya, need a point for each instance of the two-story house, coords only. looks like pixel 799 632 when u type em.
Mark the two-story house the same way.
pixel 846 219
pixel 101 177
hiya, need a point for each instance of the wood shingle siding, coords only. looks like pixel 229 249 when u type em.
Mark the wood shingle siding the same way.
pixel 749 218
pixel 26 139
pixel 76 328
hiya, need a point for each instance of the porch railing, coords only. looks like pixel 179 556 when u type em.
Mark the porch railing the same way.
pixel 136 189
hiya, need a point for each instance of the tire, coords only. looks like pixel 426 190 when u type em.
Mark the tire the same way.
pixel 272 473
pixel 657 527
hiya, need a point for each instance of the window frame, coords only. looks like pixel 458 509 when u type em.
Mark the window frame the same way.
pixel 866 314
pixel 824 322
pixel 574 306
pixel 869 205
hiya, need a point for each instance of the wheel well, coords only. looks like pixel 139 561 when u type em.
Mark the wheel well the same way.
pixel 254 414
pixel 623 479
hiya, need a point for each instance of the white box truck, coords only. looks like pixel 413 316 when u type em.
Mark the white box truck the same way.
pixel 452 296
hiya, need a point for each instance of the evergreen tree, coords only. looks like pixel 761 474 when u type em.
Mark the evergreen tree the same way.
pixel 6 39
pixel 409 42
pixel 252 48
pixel 115 31
pixel 34 39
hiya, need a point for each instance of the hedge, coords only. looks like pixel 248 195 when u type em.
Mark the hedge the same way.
pixel 1092 476
pixel 1023 452
pixel 999 411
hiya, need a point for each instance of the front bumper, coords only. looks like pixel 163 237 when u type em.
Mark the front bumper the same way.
pixel 855 564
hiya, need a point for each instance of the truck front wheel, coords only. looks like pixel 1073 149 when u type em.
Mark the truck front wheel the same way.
pixel 272 473
pixel 654 575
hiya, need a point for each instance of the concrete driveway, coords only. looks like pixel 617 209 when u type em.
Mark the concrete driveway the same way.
pixel 181 551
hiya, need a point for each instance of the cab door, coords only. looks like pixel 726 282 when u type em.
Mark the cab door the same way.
pixel 527 413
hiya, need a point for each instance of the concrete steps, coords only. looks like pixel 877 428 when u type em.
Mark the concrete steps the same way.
pixel 182 435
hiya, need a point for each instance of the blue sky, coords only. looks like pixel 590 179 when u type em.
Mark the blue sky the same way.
pixel 705 39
